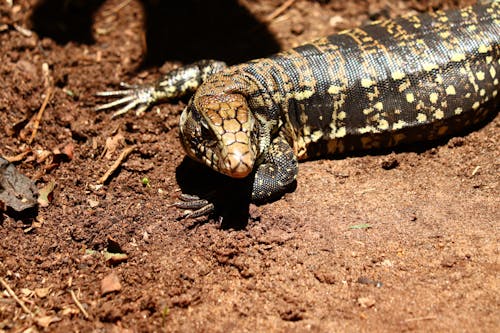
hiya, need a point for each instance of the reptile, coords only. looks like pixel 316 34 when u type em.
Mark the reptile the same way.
pixel 390 82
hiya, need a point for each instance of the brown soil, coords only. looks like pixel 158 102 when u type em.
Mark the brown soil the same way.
pixel 429 261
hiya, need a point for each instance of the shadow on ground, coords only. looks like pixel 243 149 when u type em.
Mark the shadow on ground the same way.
pixel 231 197
pixel 183 31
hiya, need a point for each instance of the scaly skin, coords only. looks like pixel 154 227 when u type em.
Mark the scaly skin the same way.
pixel 391 82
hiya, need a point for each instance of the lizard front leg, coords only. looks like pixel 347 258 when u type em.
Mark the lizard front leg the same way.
pixel 276 174
pixel 177 83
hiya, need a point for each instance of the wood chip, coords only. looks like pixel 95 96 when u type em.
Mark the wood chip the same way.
pixel 110 283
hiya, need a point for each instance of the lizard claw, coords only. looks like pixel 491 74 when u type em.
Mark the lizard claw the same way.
pixel 132 97
pixel 195 205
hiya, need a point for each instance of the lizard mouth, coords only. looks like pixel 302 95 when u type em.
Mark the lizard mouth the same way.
pixel 239 162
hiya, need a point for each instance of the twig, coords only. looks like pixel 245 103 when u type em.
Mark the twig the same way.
pixel 280 10
pixel 18 157
pixel 420 318
pixel 366 190
pixel 23 31
pixel 115 165
pixel 40 114
pixel 476 169
pixel 47 80
pixel 14 296
pixel 78 304
pixel 117 8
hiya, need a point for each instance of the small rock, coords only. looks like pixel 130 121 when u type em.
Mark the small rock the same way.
pixel 326 277
pixel 387 263
pixel 110 313
pixel 255 213
pixel 27 67
pixel 110 283
pixel 298 29
pixel 449 262
pixel 365 280
pixel 93 203
pixel 390 162
pixel 292 314
pixel 16 190
pixel 366 302
pixel 456 142
pixel 335 20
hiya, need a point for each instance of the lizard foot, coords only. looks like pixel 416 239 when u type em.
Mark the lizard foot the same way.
pixel 195 205
pixel 131 96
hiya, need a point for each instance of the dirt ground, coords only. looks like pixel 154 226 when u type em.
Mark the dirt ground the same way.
pixel 395 241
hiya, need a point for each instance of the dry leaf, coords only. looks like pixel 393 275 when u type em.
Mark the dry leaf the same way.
pixel 42 292
pixel 45 321
pixel 45 194
pixel 69 311
pixel 27 292
pixel 113 143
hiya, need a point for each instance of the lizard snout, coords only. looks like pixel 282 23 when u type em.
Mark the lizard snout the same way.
pixel 239 161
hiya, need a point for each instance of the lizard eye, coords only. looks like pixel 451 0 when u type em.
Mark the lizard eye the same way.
pixel 207 135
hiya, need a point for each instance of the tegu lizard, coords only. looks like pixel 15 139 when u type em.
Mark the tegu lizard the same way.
pixel 390 82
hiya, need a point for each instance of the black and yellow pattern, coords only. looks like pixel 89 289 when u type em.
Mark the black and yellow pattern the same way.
pixel 395 81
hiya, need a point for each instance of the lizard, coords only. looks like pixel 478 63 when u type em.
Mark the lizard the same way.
pixel 390 82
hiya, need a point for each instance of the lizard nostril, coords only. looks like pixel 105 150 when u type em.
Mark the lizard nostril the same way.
pixel 238 165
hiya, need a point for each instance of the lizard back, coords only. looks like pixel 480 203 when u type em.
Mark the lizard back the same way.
pixel 396 81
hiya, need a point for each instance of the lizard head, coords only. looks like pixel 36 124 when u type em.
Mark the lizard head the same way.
pixel 218 131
